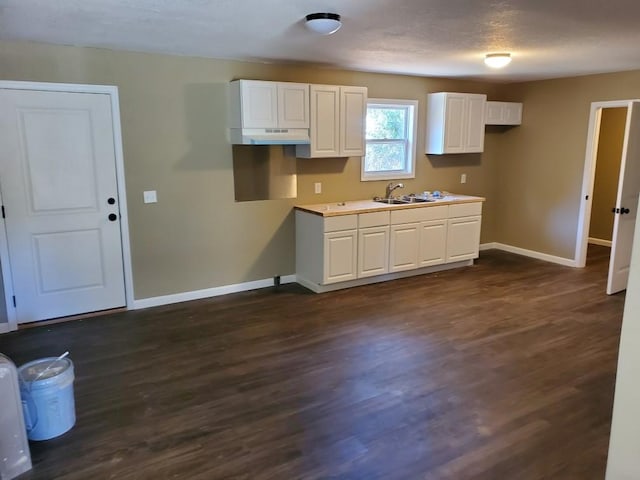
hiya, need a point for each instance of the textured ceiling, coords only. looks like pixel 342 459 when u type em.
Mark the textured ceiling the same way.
pixel 547 38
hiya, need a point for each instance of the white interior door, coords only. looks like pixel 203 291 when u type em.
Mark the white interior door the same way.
pixel 59 190
pixel 626 209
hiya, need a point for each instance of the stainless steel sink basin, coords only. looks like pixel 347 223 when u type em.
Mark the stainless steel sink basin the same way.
pixel 402 200
pixel 391 201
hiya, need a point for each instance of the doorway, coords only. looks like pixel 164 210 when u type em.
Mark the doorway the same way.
pixel 611 185
pixel 64 247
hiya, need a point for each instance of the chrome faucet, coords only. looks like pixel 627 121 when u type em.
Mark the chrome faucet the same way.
pixel 391 187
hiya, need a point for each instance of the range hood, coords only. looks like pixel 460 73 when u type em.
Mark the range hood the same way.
pixel 269 136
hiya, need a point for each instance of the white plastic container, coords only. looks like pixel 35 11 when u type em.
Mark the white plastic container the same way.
pixel 47 397
pixel 15 458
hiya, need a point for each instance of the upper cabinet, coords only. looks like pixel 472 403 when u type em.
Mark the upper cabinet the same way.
pixel 259 107
pixel 455 123
pixel 503 113
pixel 337 125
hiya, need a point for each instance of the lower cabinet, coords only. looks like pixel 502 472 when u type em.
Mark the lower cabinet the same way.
pixel 433 243
pixel 373 244
pixel 418 238
pixel 349 247
pixel 463 232
pixel 341 255
pixel 373 251
pixel 405 241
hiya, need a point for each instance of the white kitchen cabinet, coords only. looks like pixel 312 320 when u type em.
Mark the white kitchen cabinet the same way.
pixel 340 256
pixel 260 104
pixel 359 248
pixel 463 232
pixel 433 243
pixel 455 123
pixel 503 113
pixel 326 247
pixel 373 244
pixel 404 244
pixel 338 115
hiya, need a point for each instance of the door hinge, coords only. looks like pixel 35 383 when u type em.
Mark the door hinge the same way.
pixel 14 301
pixel 3 216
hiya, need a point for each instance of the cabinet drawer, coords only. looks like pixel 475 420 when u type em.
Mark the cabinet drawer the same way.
pixel 420 214
pixel 342 222
pixel 373 219
pixel 465 209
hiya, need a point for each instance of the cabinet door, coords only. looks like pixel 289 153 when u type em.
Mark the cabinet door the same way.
pixel 474 128
pixel 433 243
pixel 293 105
pixel 454 123
pixel 353 114
pixel 340 256
pixel 325 121
pixel 373 251
pixel 404 243
pixel 259 104
pixel 463 238
pixel 493 113
pixel 512 113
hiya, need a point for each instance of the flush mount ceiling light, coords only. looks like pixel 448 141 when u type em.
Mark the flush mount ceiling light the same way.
pixel 497 60
pixel 323 23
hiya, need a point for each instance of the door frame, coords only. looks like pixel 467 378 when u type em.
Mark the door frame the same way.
pixel 588 179
pixel 112 91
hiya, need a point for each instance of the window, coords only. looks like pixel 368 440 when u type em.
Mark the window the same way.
pixel 390 140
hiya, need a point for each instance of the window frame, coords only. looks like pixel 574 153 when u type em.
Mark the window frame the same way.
pixel 411 128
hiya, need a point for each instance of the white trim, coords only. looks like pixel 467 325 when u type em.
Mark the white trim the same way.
pixel 588 177
pixel 7 277
pixel 567 262
pixel 209 292
pixel 112 91
pixel 599 241
pixel 412 140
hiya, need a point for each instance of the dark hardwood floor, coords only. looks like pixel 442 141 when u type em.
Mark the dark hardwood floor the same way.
pixel 500 371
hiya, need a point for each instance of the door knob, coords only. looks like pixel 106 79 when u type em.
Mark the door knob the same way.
pixel 111 200
pixel 615 210
pixel 113 217
pixel 624 210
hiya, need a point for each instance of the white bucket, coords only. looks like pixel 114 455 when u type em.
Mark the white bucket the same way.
pixel 47 398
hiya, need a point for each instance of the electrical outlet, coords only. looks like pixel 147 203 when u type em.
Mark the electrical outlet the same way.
pixel 150 196
pixel 463 178
pixel 317 187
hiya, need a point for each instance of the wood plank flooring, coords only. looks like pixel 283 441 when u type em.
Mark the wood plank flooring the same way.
pixel 503 370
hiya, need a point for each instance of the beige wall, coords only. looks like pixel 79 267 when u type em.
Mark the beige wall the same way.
pixel 541 162
pixel 173 112
pixel 605 188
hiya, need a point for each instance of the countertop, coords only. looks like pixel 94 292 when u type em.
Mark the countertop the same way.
pixel 365 206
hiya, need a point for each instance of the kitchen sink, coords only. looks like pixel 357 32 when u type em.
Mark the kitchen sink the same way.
pixel 391 201
pixel 402 200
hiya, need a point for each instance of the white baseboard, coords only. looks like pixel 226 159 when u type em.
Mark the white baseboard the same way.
pixel 4 328
pixel 208 292
pixel 488 246
pixel 567 262
pixel 599 241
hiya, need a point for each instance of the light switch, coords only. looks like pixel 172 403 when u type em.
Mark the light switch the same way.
pixel 463 178
pixel 150 196
pixel 317 187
